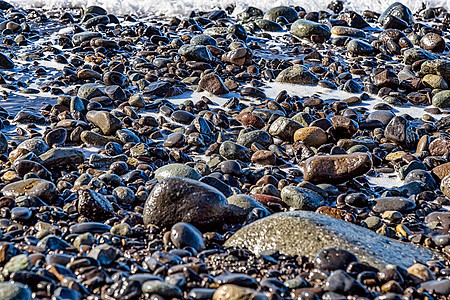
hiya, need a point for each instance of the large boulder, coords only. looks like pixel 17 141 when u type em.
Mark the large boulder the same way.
pixel 307 233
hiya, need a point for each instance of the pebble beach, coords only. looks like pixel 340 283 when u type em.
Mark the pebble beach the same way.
pixel 231 153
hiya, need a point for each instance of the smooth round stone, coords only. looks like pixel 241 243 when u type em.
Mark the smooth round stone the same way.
pixel 237 279
pixel 435 82
pixel 127 136
pixel 21 214
pixel 305 28
pixel 281 11
pixel 201 293
pixel 393 203
pixel 297 74
pixel 334 259
pixel 6 62
pixel 178 199
pixel 196 52
pixel 81 37
pixel 56 136
pixel 341 282
pixel 203 39
pixel 359 47
pixel 93 227
pixel 33 187
pixel 162 288
pixel 14 291
pixel 237 292
pixel 242 205
pixel 384 116
pixel 441 99
pixel 124 195
pixel 301 198
pixel 439 221
pixel 91 90
pixel 122 229
pixel 398 10
pixel 186 235
pixel 105 254
pixel 16 263
pixel 356 200
pixel 311 136
pixel 176 170
pixel 433 42
pixel 348 31
pixel 106 121
pixel 268 25
pixel 423 177
pixel 440 287
pixel 84 239
pixel 175 139
pixel 231 167
pixel 230 150
pixel 182 117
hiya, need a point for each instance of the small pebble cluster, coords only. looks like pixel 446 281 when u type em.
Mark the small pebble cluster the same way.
pixel 114 189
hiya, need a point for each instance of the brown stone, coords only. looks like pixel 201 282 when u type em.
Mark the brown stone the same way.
pixel 265 199
pixel 248 119
pixel 423 143
pixel 439 221
pixel 213 84
pixel 264 157
pixel 336 168
pixel 311 136
pixel 441 171
pixel 240 56
pixel 344 127
pixel 336 213
pixel 387 78
pixel 439 146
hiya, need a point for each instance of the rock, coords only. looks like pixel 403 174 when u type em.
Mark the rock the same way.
pixel 334 259
pixel 441 99
pixel 255 136
pixel 105 254
pixel 16 263
pixel 240 56
pixel 107 122
pixel 91 90
pixel 439 146
pixel 297 74
pixel 400 131
pixel 163 289
pixel 14 291
pixel 53 242
pixel 241 206
pixel 397 10
pixel 440 287
pixel 235 292
pixel 56 136
pixel 230 150
pixel 268 25
pixel 434 82
pixel 311 136
pixel 348 31
pixel 384 116
pixel 393 203
pixel 176 170
pixel 301 198
pixel 124 195
pixel 305 29
pixel 213 84
pixel 196 52
pixel 341 282
pixel 358 47
pixel 353 19
pixel 202 39
pixel 36 146
pixel 6 62
pixel 84 36
pixel 29 116
pixel 415 54
pixel 94 205
pixel 336 168
pixel 307 233
pixel 437 66
pixel 218 184
pixel 33 187
pixel 264 157
pixel 284 128
pixel 281 11
pixel 439 221
pixel 433 42
pixel 185 235
pixel 421 271
pixel 387 78
pixel 177 199
pixel 62 157
pixel 24 166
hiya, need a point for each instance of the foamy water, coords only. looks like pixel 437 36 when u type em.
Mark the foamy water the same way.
pixel 184 7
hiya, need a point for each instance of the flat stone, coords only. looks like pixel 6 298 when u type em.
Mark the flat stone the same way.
pixel 33 187
pixel 176 170
pixel 14 291
pixel 307 233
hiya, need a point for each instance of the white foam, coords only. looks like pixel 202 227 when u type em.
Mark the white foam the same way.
pixel 184 7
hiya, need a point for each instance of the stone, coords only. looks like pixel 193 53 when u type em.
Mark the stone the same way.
pixel 336 168
pixel 301 198
pixel 268 25
pixel 105 254
pixel 36 146
pixel 94 205
pixel 33 187
pixel 255 136
pixel 297 74
pixel 305 29
pixel 264 157
pixel 91 90
pixel 213 84
pixel 53 242
pixel 178 199
pixel 284 128
pixel 26 115
pixel 16 263
pixel 439 221
pixel 438 67
pixel 176 170
pixel 440 287
pixel 393 203
pixel 230 150
pixel 397 10
pixel 441 99
pixel 62 157
pixel 358 47
pixel 433 42
pixel 307 233
pixel 235 292
pixel 242 205
pixel 196 53
pixel 162 288
pixel 186 235
pixel 311 136
pixel 435 82
pixel 353 19
pixel 84 36
pixel 122 229
pixel 421 271
pixel 6 62
pixel 341 282
pixel 240 56
pixel 202 39
pixel 401 132
pixel 387 78
pixel 348 31
pixel 281 11
pixel 107 122
pixel 14 291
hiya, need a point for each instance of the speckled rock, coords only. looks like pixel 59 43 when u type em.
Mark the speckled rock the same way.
pixel 297 74
pixel 301 198
pixel 306 28
pixel 176 170
pixel 307 233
